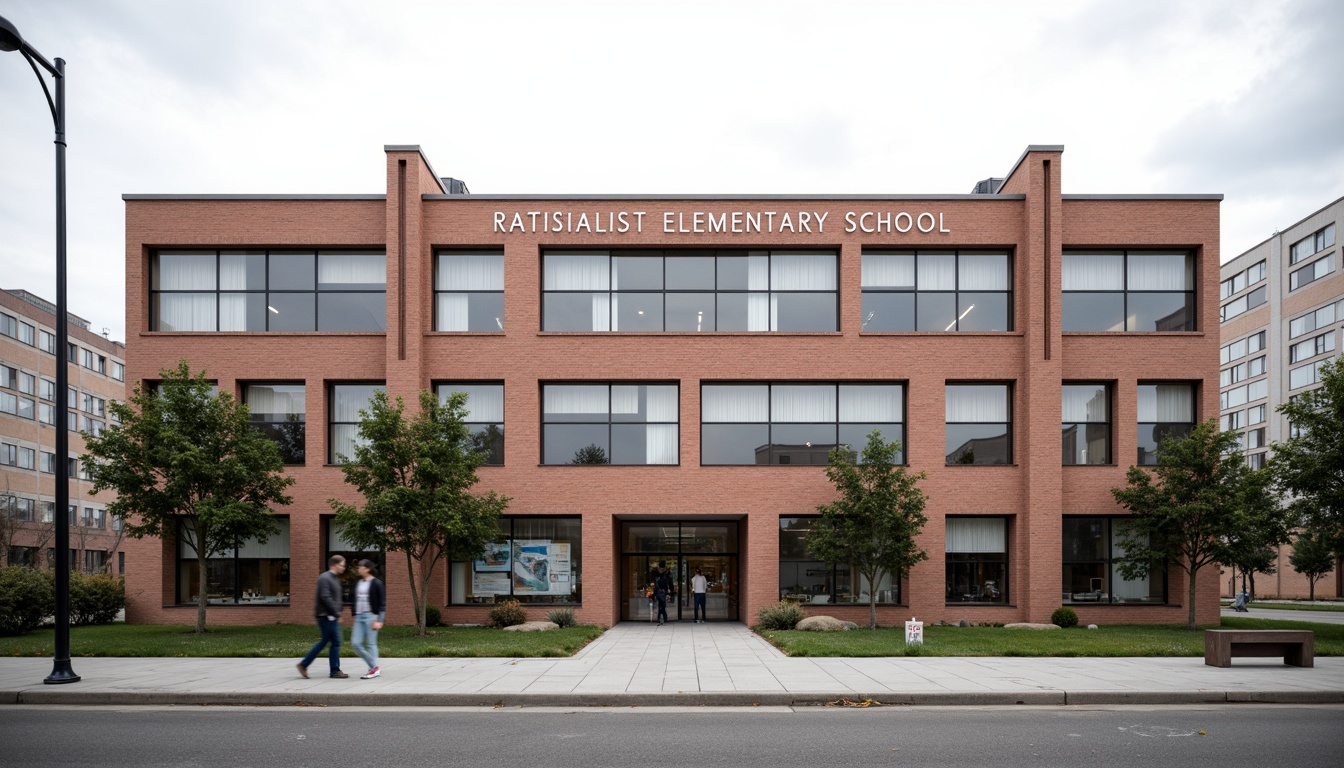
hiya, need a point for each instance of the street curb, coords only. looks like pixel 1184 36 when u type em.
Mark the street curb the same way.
pixel 48 696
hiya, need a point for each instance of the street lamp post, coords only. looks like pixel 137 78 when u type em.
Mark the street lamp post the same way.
pixel 11 40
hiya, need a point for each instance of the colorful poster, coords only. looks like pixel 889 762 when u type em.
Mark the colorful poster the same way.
pixel 489 584
pixel 541 567
pixel 496 558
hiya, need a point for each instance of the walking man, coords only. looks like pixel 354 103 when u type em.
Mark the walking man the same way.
pixel 662 587
pixel 327 610
pixel 699 586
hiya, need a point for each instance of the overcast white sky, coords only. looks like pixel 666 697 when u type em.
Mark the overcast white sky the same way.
pixel 251 96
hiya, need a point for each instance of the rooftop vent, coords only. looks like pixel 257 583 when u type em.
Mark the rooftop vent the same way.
pixel 455 186
pixel 989 186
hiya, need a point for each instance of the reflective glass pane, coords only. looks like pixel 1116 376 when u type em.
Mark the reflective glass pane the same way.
pixel 637 312
pixel 802 443
pixel 1086 444
pixel 1161 312
pixel 856 437
pixel 242 312
pixel 576 444
pixel 488 439
pixel 744 273
pixel 689 273
pixel 352 312
pixel 576 312
pixel 291 311
pixel 936 312
pixel 734 444
pixel 1085 538
pixel 979 444
pixel 485 312
pixel 983 312
pixel 689 312
pixel 637 273
pixel 1150 437
pixel 1092 311
pixel 804 311
pixel 888 311
pixel 292 271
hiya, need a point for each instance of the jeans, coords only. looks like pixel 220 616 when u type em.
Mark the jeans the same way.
pixel 364 638
pixel 331 636
pixel 698 612
pixel 662 605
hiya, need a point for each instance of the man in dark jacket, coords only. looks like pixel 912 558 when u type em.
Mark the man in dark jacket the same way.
pixel 662 589
pixel 327 610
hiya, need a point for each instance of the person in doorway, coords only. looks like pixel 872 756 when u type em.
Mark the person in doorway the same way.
pixel 370 610
pixel 699 588
pixel 662 588
pixel 327 610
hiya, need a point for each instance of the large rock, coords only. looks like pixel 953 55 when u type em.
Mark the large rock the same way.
pixel 822 624
pixel 1029 625
pixel 533 626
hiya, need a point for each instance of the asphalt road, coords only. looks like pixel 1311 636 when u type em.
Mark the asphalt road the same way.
pixel 1118 737
pixel 1266 611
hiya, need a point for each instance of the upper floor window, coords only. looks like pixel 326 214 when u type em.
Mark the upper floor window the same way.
pixel 1242 305
pixel 609 423
pixel 1306 375
pixel 9 325
pixel 937 291
pixel 1300 278
pixel 345 403
pixel 118 371
pixel 979 421
pixel 1165 410
pixel 1316 345
pixel 1238 282
pixel 1318 318
pixel 268 291
pixel 1087 424
pixel 1312 244
pixel 27 334
pixel 796 423
pixel 1242 347
pixel 277 411
pixel 484 417
pixel 1128 291
pixel 46 342
pixel 469 292
pixel 689 291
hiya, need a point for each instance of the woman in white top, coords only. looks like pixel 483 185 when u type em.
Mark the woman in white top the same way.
pixel 370 610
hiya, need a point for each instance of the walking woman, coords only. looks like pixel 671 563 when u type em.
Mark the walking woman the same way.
pixel 370 610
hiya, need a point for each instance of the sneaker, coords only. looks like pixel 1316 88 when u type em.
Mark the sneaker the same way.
pixel 339 673
pixel 302 670
pixel 372 673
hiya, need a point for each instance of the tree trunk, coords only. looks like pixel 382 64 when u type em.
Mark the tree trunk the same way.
pixel 424 595
pixel 1311 590
pixel 415 594
pixel 1190 623
pixel 1251 595
pixel 200 598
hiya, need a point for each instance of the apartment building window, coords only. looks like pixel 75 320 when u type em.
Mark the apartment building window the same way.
pixel 1092 547
pixel 27 383
pixel 251 573
pixel 1230 421
pixel 278 412
pixel 484 416
pixel 48 512
pixel 1312 244
pixel 469 292
pixel 1087 424
pixel 537 560
pixel 937 291
pixel 1300 278
pixel 345 403
pixel 1255 415
pixel 1317 345
pixel 27 334
pixel 47 462
pixel 1165 411
pixel 977 560
pixel 1318 318
pixel 95 560
pixel 742 424
pixel 118 371
pixel 46 342
pixel 609 424
pixel 27 458
pixel 47 390
pixel 979 419
pixel 689 291
pixel 9 454
pixel 1242 347
pixel 1241 306
pixel 94 361
pixel 1128 291
pixel 805 579
pixel 1256 460
pixel 327 291
pixel 1240 281
pixel 94 518
pixel 1306 375
pixel 1239 396
pixel 9 325
pixel 25 556
pixel 1255 438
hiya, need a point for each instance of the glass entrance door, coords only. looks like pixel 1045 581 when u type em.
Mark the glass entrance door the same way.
pixel 711 546
pixel 721 595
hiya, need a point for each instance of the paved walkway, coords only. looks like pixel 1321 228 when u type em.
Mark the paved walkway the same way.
pixel 679 664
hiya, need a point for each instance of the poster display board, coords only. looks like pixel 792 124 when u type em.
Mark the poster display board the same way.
pixel 914 632
pixel 528 566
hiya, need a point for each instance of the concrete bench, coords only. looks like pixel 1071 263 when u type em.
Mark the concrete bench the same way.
pixel 1297 647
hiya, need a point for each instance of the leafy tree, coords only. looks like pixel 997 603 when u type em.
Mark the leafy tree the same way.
pixel 1309 467
pixel 1189 506
pixel 1262 525
pixel 416 477
pixel 591 454
pixel 185 462
pixel 1312 557
pixel 873 524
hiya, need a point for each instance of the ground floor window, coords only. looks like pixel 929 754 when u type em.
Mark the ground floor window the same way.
pixel 338 545
pixel 94 560
pixel 252 573
pixel 806 580
pixel 26 556
pixel 535 560
pixel 1091 575
pixel 977 560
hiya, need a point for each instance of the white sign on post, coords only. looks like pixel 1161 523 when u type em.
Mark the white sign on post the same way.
pixel 914 632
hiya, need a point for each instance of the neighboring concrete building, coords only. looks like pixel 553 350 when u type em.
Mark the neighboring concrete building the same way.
pixel 1026 346
pixel 28 424
pixel 1282 311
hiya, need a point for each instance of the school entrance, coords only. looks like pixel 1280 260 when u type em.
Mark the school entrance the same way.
pixel 685 545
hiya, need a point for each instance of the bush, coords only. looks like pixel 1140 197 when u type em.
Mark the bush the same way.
pixel 562 617
pixel 507 614
pixel 779 616
pixel 1064 617
pixel 27 597
pixel 95 598
pixel 433 617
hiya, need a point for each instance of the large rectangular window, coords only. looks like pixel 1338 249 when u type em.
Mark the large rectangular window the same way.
pixel 937 291
pixel 535 560
pixel 277 411
pixel 979 419
pixel 609 424
pixel 1165 411
pixel 484 416
pixel 1318 318
pixel 1242 347
pixel 1128 291
pixel 977 560
pixel 1312 244
pixel 251 573
pixel 469 292
pixel 1091 575
pixel 344 404
pixel 1317 345
pixel 796 423
pixel 1242 305
pixel 689 291
pixel 336 544
pixel 268 290
pixel 809 581
pixel 1087 424
pixel 1309 274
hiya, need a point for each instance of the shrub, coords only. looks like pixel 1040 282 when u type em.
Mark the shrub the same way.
pixel 433 617
pixel 562 617
pixel 27 597
pixel 1064 617
pixel 95 598
pixel 785 615
pixel 507 614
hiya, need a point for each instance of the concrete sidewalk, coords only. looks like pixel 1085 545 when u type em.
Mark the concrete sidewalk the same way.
pixel 679 664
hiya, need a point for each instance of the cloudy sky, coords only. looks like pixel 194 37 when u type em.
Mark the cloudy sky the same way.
pixel 251 96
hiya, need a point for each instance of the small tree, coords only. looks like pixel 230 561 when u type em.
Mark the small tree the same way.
pixel 872 526
pixel 1262 525
pixel 1309 467
pixel 1312 557
pixel 416 478
pixel 1187 507
pixel 185 462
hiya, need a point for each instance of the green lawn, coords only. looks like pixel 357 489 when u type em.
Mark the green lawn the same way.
pixel 293 641
pixel 1120 640
pixel 1291 607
